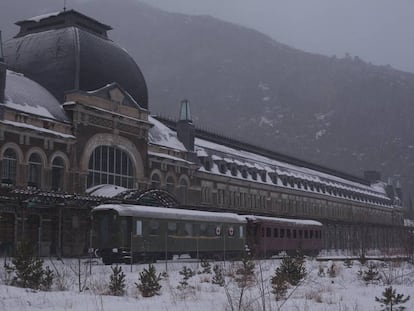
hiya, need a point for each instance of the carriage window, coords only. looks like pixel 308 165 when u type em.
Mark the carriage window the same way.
pixel 188 229
pixel 154 227
pixel 294 233
pixel 306 234
pixel 300 234
pixel 320 234
pixel 241 231
pixel 268 232
pixel 288 233
pixel 275 233
pixel 282 233
pixel 311 234
pixel 263 232
pixel 203 230
pixel 172 228
pixel 138 230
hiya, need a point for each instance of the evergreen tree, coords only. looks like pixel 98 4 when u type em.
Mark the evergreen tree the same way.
pixel 371 275
pixel 291 269
pixel 279 286
pixel 149 282
pixel 206 267
pixel 246 271
pixel 28 269
pixel 117 283
pixel 218 277
pixel 186 273
pixel 348 263
pixel 390 299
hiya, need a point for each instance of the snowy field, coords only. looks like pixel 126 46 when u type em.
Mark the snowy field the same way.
pixel 319 290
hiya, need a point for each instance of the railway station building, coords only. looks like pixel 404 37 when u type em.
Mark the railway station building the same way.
pixel 76 130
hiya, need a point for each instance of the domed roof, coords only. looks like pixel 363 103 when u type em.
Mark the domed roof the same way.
pixel 68 51
pixel 28 96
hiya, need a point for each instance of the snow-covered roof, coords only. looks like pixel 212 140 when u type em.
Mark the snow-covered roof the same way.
pixel 161 135
pixel 36 128
pixel 167 156
pixel 27 96
pixel 170 213
pixel 43 16
pixel 107 191
pixel 252 160
pixel 302 222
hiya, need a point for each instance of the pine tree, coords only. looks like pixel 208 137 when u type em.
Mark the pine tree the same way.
pixel 206 267
pixel 371 275
pixel 246 271
pixel 117 283
pixel 279 286
pixel 292 270
pixel 149 282
pixel 218 277
pixel 186 273
pixel 390 299
pixel 28 269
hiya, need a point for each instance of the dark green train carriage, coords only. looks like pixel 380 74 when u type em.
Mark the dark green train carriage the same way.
pixel 147 233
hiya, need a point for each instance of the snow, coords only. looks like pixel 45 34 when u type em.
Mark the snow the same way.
pixel 105 190
pixel 40 17
pixel 282 168
pixel 36 128
pixel 317 292
pixel 161 135
pixel 167 156
pixel 162 212
pixel 36 110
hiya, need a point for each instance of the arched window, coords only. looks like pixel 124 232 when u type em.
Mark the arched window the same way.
pixel 35 170
pixel 110 165
pixel 155 181
pixel 183 190
pixel 9 167
pixel 58 170
pixel 170 184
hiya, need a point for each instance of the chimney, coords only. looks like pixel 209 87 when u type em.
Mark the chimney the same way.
pixel 185 126
pixel 2 73
pixel 372 176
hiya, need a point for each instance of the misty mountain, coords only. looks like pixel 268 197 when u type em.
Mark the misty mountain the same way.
pixel 343 113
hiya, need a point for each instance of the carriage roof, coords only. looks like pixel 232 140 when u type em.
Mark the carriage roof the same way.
pixel 170 213
pixel 300 222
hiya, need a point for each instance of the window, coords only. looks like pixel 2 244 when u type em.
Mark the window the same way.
pixel 183 190
pixel 241 232
pixel 288 233
pixel 170 184
pixel 172 228
pixel 155 181
pixel 110 165
pixel 138 230
pixel 268 232
pixel 294 233
pixel 57 173
pixel 300 234
pixel 203 230
pixel 306 234
pixel 188 229
pixel 9 166
pixel 154 227
pixel 275 233
pixel 35 170
pixel 282 233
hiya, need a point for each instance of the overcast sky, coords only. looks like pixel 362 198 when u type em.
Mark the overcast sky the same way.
pixel 378 31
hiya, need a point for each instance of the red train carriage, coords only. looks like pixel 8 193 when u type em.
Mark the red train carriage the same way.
pixel 268 236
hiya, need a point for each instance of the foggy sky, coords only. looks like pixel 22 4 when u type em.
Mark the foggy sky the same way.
pixel 378 31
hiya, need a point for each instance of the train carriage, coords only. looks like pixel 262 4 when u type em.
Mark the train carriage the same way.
pixel 147 232
pixel 268 236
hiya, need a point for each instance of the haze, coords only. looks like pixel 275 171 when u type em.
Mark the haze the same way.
pixel 378 31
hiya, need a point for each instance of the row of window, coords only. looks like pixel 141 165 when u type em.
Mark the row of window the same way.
pixel 9 170
pixel 281 233
pixel 190 229
pixel 289 181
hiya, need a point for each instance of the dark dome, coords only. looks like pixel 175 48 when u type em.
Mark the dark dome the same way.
pixel 69 51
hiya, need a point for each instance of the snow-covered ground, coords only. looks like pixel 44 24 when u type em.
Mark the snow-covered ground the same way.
pixel 319 291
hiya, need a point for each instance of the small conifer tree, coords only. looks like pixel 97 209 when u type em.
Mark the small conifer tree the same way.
pixel 279 286
pixel 332 270
pixel 291 269
pixel 390 299
pixel 371 275
pixel 149 282
pixel 246 271
pixel 218 277
pixel 117 283
pixel 186 273
pixel 206 267
pixel 28 269
pixel 348 263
